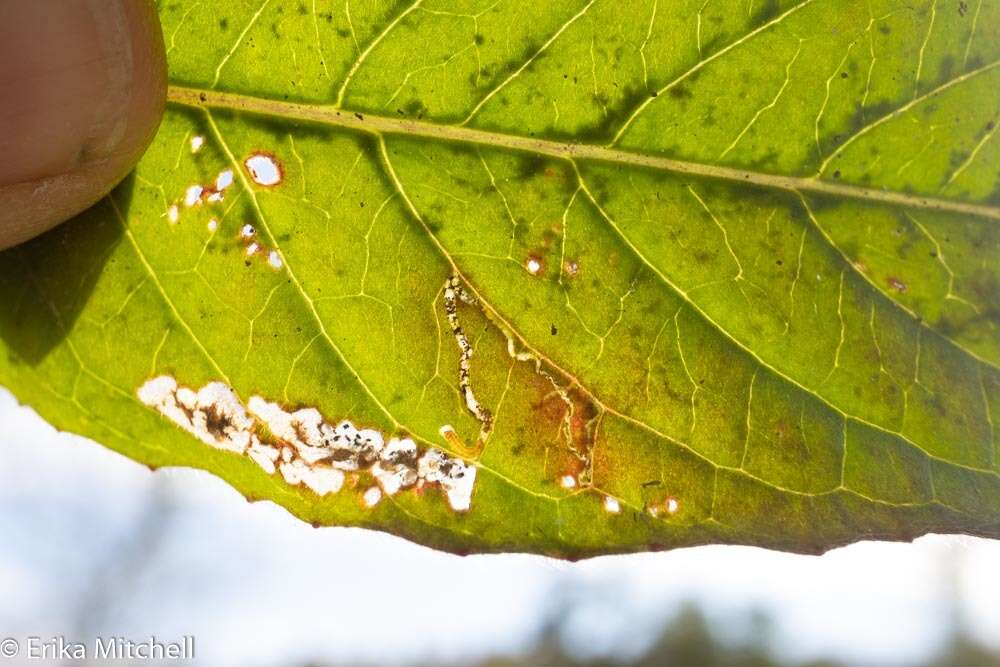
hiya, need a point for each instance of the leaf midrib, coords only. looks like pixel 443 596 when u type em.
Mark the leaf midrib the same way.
pixel 331 115
pixel 358 121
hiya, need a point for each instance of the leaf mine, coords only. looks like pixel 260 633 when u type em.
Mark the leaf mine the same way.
pixel 577 416
pixel 306 449
pixel 453 291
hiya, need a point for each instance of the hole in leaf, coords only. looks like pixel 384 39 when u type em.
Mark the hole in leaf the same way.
pixel 264 169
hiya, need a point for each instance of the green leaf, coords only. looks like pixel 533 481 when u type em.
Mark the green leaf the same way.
pixel 637 275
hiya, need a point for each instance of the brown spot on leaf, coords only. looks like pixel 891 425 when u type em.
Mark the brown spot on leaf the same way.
pixel 897 284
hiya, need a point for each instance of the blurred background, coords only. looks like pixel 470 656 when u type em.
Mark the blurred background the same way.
pixel 92 544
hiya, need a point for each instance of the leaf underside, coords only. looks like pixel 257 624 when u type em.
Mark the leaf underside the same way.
pixel 660 274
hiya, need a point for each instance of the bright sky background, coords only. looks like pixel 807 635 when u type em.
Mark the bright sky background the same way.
pixel 258 587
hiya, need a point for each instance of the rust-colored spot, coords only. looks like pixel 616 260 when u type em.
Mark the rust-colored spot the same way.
pixel 666 507
pixel 897 284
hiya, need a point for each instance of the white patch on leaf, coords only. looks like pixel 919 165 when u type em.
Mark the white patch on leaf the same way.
pixel 263 169
pixel 372 496
pixel 263 455
pixel 214 414
pixel 321 479
pixel 303 447
pixel 456 477
pixel 192 196
pixel 224 180
pixel 397 466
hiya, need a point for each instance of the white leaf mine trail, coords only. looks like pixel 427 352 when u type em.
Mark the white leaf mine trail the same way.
pixel 453 291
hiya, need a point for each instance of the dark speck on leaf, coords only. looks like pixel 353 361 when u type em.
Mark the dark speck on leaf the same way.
pixel 836 174
pixel 359 116
pixel 554 330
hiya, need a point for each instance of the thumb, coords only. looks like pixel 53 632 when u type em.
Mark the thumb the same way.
pixel 82 89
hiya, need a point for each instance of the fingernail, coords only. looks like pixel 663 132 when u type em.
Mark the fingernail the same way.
pixel 65 85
